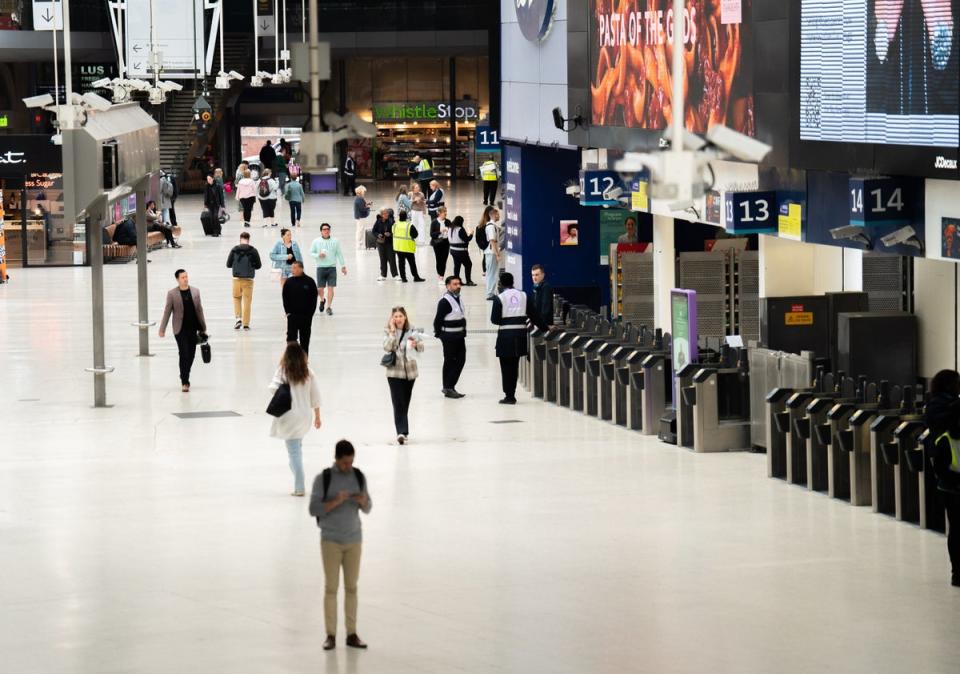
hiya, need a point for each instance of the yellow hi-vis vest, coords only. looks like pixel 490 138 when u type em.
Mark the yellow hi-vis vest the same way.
pixel 488 170
pixel 954 451
pixel 402 241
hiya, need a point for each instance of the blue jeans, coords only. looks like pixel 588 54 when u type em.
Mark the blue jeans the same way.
pixel 165 214
pixel 295 211
pixel 493 272
pixel 294 449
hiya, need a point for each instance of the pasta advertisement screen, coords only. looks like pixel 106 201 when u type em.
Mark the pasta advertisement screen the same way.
pixel 631 61
pixel 880 71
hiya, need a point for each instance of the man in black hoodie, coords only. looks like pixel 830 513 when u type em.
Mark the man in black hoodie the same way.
pixel 300 303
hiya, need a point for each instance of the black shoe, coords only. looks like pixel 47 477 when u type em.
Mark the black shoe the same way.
pixel 177 245
pixel 956 581
pixel 490 298
pixel 509 401
pixel 452 393
pixel 246 327
pixel 353 641
pixel 330 643
pixel 323 303
pixel 238 325
pixel 403 280
pixel 419 280
pixel 469 283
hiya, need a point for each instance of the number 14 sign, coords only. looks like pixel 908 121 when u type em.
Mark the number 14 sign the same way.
pixel 878 202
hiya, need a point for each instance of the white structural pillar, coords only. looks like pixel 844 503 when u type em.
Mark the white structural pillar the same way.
pixel 664 269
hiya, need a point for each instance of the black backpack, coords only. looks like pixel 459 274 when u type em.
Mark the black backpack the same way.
pixel 327 475
pixel 481 237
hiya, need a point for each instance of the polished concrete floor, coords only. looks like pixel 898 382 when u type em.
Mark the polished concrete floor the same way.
pixel 133 540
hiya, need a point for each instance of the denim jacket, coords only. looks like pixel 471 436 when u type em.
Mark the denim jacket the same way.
pixel 279 254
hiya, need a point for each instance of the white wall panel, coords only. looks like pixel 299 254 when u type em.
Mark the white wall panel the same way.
pixel 934 296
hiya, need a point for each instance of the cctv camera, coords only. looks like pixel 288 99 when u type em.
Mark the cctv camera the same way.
pixel 738 145
pixel 905 235
pixel 691 141
pixel 120 94
pixel 157 96
pixel 573 190
pixel 171 86
pixel 256 81
pixel 276 78
pixel 558 119
pixel 851 233
pixel 222 82
pixel 103 84
pixel 95 102
pixel 612 193
pixel 41 101
pixel 233 75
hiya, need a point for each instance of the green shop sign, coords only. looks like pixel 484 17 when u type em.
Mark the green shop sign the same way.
pixel 463 111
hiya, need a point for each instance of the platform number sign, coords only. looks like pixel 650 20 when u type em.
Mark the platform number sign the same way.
pixel 594 184
pixel 751 212
pixel 879 202
pixel 487 139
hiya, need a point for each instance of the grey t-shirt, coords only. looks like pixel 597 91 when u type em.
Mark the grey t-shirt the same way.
pixel 342 524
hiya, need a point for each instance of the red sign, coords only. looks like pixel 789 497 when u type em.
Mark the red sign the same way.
pixel 796 308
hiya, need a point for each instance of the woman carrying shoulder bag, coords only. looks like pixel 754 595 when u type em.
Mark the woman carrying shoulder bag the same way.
pixel 292 425
pixel 402 344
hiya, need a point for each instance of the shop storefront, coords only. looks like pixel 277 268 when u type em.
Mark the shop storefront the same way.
pixel 35 232
pixel 409 99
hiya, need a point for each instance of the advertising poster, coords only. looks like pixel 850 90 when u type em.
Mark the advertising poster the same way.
pixel 613 225
pixel 880 71
pixel 950 238
pixel 630 58
pixel 683 327
pixel 569 233
pixel 713 209
pixel 512 200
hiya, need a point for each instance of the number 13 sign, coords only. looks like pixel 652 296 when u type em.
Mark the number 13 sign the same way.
pixel 751 212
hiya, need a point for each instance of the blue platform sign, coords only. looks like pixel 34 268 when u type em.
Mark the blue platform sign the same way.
pixel 595 183
pixel 881 202
pixel 751 212
pixel 487 139
pixel 512 217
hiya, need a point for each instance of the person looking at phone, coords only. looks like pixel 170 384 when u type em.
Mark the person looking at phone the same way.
pixel 339 495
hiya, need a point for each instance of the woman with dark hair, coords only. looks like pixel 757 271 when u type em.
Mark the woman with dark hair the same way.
pixel 405 343
pixel 304 410
pixel 155 223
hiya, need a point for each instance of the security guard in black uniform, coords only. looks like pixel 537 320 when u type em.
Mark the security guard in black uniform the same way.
pixel 511 311
pixel 450 327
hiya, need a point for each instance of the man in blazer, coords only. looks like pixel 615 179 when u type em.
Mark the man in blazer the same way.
pixel 183 302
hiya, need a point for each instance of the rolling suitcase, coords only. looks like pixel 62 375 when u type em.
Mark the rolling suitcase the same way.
pixel 370 239
pixel 211 226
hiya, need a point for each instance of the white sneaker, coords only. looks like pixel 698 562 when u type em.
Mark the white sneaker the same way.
pixel 381 279
pixel 397 279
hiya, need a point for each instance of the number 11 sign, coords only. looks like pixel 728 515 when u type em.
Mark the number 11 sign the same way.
pixel 488 139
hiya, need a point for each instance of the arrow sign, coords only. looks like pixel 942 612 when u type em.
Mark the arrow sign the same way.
pixel 137 48
pixel 265 26
pixel 47 15
pixel 137 66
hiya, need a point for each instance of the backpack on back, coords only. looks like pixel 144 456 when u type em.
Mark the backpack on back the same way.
pixel 327 475
pixel 481 237
pixel 263 189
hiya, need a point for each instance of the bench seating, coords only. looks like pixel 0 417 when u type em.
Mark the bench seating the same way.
pixel 116 252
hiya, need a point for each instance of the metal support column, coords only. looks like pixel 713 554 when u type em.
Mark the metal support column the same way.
pixel 100 369
pixel 453 117
pixel 143 323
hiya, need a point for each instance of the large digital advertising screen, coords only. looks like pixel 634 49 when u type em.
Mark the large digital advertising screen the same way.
pixel 880 71
pixel 631 48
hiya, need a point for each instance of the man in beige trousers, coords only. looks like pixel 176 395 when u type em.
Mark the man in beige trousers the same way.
pixel 339 494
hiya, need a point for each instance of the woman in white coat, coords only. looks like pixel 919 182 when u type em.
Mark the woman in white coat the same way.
pixel 293 425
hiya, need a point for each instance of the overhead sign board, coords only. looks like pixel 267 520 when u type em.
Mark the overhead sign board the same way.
pixel 47 15
pixel 513 201
pixel 265 26
pixel 751 212
pixel 427 111
pixel 487 139
pixel 179 38
pixel 594 184
pixel 880 202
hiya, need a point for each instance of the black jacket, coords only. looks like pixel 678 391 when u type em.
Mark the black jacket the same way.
pixel 443 308
pixel 268 157
pixel 213 198
pixel 436 228
pixel 541 300
pixel 125 233
pixel 510 343
pixel 244 259
pixel 383 227
pixel 300 295
pixel 941 413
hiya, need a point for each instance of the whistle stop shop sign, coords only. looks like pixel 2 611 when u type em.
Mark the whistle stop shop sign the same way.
pixel 535 18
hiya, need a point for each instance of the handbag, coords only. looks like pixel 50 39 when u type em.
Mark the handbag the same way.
pixel 389 359
pixel 205 353
pixel 281 402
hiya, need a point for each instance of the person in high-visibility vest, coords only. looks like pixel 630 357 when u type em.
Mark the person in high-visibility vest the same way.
pixel 943 411
pixel 490 175
pixel 424 172
pixel 404 237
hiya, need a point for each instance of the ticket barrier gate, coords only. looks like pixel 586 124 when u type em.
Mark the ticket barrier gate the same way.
pixel 837 424
pixel 625 359
pixel 778 428
pixel 685 399
pixel 721 420
pixel 906 481
pixel 591 362
pixel 883 450
pixel 819 432
pixel 856 444
pixel 564 350
pixel 920 461
pixel 551 365
pixel 656 390
pixel 796 440
pixel 575 360
pixel 607 377
pixel 632 371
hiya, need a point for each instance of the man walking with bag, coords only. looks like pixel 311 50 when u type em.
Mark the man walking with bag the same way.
pixel 339 495
pixel 183 303
pixel 244 260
